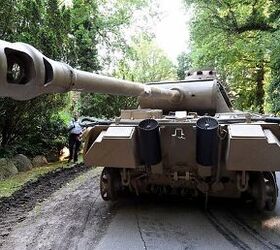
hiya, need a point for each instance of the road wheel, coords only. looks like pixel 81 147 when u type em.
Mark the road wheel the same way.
pixel 264 190
pixel 109 184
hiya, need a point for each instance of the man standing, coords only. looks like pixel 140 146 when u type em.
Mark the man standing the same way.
pixel 75 130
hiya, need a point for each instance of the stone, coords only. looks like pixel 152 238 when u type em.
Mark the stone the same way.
pixel 52 157
pixel 7 168
pixel 22 163
pixel 39 161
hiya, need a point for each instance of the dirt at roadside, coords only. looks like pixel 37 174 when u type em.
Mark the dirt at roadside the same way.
pixel 37 217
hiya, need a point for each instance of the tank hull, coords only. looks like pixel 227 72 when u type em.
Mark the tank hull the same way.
pixel 242 151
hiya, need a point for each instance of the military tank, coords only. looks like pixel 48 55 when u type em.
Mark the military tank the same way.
pixel 185 138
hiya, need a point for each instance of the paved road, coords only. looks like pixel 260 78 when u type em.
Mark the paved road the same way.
pixel 75 217
pixel 154 224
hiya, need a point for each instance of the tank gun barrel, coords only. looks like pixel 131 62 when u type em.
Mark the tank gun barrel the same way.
pixel 26 73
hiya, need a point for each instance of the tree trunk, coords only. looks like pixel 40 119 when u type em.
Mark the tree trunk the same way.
pixel 5 132
pixel 259 100
pixel 8 124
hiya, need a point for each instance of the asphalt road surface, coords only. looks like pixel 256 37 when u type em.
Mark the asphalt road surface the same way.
pixel 75 217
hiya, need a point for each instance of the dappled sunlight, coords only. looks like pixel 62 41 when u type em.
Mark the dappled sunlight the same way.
pixel 271 223
pixel 64 153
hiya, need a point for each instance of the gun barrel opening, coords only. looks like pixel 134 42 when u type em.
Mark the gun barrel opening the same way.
pixel 19 66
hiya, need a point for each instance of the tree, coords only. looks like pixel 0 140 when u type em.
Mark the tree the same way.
pixel 144 62
pixel 237 38
pixel 238 16
pixel 184 64
pixel 84 52
pixel 112 19
pixel 33 126
pixel 273 89
pixel 74 35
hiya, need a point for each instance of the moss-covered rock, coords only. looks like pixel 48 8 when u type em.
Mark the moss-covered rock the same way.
pixel 39 160
pixel 22 163
pixel 7 168
pixel 52 157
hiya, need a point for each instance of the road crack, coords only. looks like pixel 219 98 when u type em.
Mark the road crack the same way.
pixel 140 232
pixel 88 214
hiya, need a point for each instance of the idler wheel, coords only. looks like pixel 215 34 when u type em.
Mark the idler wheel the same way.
pixel 265 191
pixel 109 184
pixel 271 191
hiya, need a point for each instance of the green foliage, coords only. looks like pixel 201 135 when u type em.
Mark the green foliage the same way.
pixel 105 106
pixel 274 88
pixel 149 61
pixel 84 19
pixel 184 64
pixel 73 35
pixel 14 183
pixel 239 39
pixel 143 62
pixel 32 127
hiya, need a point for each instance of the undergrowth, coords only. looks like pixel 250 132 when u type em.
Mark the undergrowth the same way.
pixel 10 185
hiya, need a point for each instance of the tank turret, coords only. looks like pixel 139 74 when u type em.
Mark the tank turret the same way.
pixel 26 73
pixel 183 140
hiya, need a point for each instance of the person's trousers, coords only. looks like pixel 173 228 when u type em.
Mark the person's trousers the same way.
pixel 74 146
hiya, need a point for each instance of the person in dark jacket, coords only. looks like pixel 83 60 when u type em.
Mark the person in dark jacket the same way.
pixel 75 131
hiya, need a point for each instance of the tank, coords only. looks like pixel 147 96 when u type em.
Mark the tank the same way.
pixel 184 139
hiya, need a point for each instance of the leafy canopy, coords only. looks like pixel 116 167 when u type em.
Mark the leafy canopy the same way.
pixel 238 38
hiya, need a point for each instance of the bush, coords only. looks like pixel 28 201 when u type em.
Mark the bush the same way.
pixel 47 140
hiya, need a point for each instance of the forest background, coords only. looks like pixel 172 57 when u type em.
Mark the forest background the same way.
pixel 239 39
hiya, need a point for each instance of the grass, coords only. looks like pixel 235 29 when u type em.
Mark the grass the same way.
pixel 9 186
